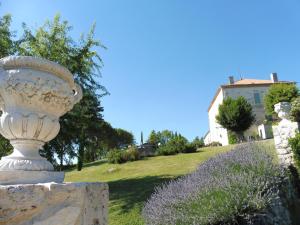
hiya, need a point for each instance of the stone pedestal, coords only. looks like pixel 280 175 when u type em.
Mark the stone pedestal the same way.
pixel 282 133
pixel 285 130
pixel 54 204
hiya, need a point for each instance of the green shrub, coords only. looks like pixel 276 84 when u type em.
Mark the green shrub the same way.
pixel 121 156
pixel 132 154
pixel 232 138
pixel 295 111
pixel 198 142
pixel 214 144
pixel 280 92
pixel 235 115
pixel 175 145
pixel 173 149
pixel 189 148
pixel 167 149
pixel 295 145
pixel 115 156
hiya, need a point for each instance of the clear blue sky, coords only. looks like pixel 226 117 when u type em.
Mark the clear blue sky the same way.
pixel 166 58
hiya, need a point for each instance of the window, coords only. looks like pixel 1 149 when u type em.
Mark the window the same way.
pixel 257 99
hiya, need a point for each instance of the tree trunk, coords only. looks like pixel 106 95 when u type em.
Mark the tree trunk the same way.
pixel 240 137
pixel 80 157
pixel 61 159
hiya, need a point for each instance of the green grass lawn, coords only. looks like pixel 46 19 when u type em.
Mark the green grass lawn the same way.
pixel 132 183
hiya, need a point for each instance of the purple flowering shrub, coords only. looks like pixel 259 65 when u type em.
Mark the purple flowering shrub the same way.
pixel 226 189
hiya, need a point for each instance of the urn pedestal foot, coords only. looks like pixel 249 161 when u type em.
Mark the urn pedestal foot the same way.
pixel 26 166
pixel 30 177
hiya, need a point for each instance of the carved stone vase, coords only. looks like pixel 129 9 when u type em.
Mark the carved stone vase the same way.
pixel 34 93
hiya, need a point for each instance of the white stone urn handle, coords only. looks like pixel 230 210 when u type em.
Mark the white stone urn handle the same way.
pixel 1 99
pixel 1 103
pixel 283 110
pixel 78 93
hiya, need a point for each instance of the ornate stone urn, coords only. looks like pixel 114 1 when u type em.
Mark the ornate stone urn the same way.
pixel 283 132
pixel 34 93
pixel 283 110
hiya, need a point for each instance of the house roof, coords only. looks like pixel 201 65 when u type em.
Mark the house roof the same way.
pixel 252 81
pixel 244 83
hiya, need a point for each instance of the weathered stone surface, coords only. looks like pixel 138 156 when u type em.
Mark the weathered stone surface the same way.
pixel 54 204
pixel 283 132
pixel 30 177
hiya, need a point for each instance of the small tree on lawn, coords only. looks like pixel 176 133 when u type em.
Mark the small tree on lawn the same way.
pixel 153 138
pixel 280 92
pixel 235 115
pixel 124 138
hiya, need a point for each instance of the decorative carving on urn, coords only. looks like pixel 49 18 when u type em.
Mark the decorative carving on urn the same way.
pixel 34 93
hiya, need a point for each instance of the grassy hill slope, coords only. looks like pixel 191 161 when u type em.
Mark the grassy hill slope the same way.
pixel 132 183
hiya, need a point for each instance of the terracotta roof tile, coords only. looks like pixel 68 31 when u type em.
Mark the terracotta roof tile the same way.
pixel 252 81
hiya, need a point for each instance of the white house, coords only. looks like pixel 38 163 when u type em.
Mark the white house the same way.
pixel 253 90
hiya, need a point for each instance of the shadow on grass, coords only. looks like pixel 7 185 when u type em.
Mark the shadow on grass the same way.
pixel 134 192
pixel 96 163
pixel 68 168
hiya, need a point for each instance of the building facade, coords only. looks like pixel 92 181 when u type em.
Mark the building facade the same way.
pixel 253 91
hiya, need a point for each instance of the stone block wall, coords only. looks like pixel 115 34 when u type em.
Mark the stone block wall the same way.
pixel 54 204
pixel 282 132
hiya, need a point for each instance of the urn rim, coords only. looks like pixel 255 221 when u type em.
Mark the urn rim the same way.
pixel 37 63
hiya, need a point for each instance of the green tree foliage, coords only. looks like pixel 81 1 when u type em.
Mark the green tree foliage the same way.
pixel 154 138
pixel 107 136
pixel 165 136
pixel 7 47
pixel 295 145
pixel 82 128
pixel 85 119
pixel 160 138
pixel 232 138
pixel 142 138
pixel 53 42
pixel 198 142
pixel 107 139
pixel 279 92
pixel 84 134
pixel 235 115
pixel 123 138
pixel 5 147
pixel 295 110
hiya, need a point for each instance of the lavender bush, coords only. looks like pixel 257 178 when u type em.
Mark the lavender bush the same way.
pixel 238 187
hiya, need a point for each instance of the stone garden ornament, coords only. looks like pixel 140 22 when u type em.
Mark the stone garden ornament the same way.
pixel 34 94
pixel 285 130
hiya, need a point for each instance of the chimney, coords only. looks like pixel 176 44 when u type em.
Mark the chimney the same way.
pixel 231 79
pixel 274 77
